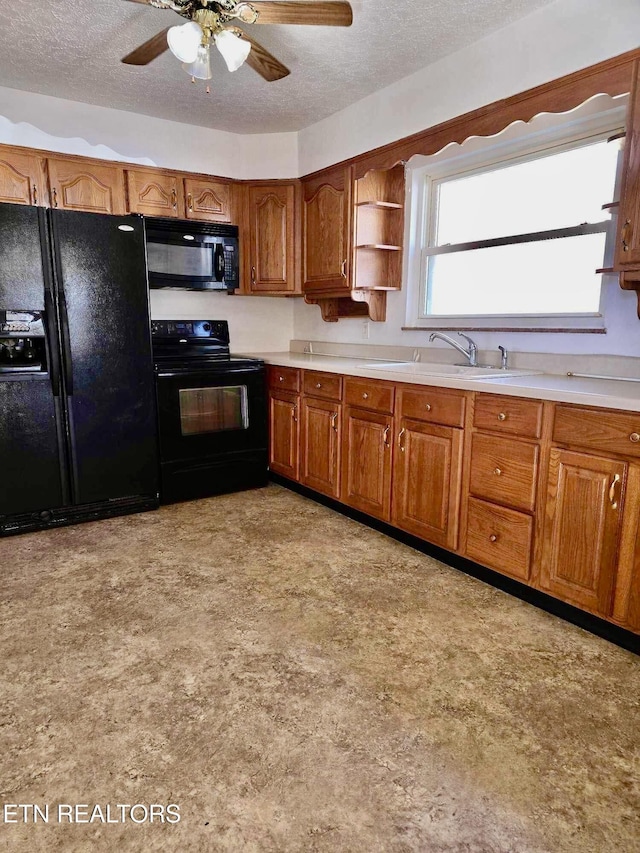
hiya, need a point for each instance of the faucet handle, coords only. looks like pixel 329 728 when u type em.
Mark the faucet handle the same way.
pixel 467 338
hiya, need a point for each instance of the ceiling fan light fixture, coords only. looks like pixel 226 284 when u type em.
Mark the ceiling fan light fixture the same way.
pixel 185 40
pixel 233 48
pixel 201 67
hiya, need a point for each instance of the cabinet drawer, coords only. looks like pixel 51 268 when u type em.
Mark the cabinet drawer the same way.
pixel 432 405
pixel 508 415
pixel 369 394
pixel 284 378
pixel 325 385
pixel 504 470
pixel 499 538
pixel 615 432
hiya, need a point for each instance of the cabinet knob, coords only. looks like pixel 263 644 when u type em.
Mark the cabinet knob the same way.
pixel 634 437
pixel 502 416
pixel 318 384
pixel 428 407
pixel 497 472
pixel 280 378
pixel 365 396
pixel 493 538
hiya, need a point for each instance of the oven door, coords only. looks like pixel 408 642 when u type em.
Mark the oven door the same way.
pixel 206 413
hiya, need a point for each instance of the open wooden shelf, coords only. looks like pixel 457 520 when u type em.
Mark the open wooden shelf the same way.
pixel 381 205
pixel 384 246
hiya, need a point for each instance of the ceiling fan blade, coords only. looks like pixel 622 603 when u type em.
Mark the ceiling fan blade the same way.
pixel 148 51
pixel 261 60
pixel 330 14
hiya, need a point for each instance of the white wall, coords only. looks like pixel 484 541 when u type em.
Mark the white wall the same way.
pixel 70 127
pixel 256 323
pixel 556 40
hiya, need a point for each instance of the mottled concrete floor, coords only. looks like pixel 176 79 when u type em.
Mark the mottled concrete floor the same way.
pixel 297 682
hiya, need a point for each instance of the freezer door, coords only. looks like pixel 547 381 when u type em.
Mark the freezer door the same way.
pixel 30 462
pixel 21 263
pixel 101 283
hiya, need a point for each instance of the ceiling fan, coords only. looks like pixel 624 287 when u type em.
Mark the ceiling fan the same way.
pixel 216 22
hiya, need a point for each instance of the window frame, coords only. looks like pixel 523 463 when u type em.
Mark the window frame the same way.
pixel 544 135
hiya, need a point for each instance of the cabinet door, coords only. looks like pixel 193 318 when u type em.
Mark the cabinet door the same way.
pixel 22 178
pixel 208 200
pixel 271 217
pixel 327 235
pixel 366 467
pixel 76 185
pixel 582 528
pixel 321 446
pixel 628 243
pixel 284 435
pixel 426 482
pixel 155 193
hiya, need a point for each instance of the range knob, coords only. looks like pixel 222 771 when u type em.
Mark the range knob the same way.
pixel 207 327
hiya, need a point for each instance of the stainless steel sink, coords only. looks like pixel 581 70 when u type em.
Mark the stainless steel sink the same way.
pixel 426 368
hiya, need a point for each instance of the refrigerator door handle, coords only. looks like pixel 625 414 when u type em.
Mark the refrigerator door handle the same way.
pixel 54 357
pixel 66 341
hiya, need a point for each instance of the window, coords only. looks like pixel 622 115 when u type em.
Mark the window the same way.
pixel 515 230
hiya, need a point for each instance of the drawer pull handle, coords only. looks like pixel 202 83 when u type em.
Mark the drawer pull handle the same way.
pixel 343 272
pixel 634 437
pixel 428 407
pixel 401 439
pixel 502 416
pixel 190 202
pixel 174 199
pixel 294 414
pixel 318 384
pixel 497 472
pixel 334 422
pixel 365 396
pixel 493 538
pixel 385 436
pixel 612 492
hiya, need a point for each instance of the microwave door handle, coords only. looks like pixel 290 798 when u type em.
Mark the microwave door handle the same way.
pixel 219 262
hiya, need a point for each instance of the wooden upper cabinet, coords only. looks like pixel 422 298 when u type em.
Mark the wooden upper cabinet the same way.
pixel 628 244
pixel 209 201
pixel 327 237
pixel 22 177
pixel 582 528
pixel 83 185
pixel 271 238
pixel 155 193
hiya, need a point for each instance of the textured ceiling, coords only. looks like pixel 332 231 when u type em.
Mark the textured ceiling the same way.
pixel 72 49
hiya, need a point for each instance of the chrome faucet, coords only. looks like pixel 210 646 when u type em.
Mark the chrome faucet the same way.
pixel 471 353
pixel 504 358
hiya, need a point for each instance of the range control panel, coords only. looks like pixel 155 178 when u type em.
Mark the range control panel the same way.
pixel 211 329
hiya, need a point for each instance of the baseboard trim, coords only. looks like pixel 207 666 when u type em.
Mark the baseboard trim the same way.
pixel 594 624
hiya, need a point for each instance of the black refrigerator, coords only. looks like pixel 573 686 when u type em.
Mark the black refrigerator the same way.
pixel 78 428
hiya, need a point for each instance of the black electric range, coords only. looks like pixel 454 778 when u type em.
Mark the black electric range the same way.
pixel 212 411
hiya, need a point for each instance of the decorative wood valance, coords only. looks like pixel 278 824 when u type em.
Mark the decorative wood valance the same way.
pixel 611 77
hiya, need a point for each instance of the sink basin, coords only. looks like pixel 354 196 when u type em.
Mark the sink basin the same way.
pixel 425 368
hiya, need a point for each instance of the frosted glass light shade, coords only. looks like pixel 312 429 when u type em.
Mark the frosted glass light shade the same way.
pixel 233 49
pixel 184 41
pixel 201 67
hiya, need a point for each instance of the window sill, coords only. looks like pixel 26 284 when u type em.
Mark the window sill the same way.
pixel 585 324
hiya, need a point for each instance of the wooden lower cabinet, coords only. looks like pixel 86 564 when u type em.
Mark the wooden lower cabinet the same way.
pixel 578 539
pixel 582 528
pixel 284 434
pixel 320 445
pixel 366 462
pixel 426 481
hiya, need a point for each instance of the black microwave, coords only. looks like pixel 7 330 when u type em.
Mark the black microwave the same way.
pixel 192 255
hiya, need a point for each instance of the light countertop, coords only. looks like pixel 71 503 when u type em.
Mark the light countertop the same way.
pixel 604 393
